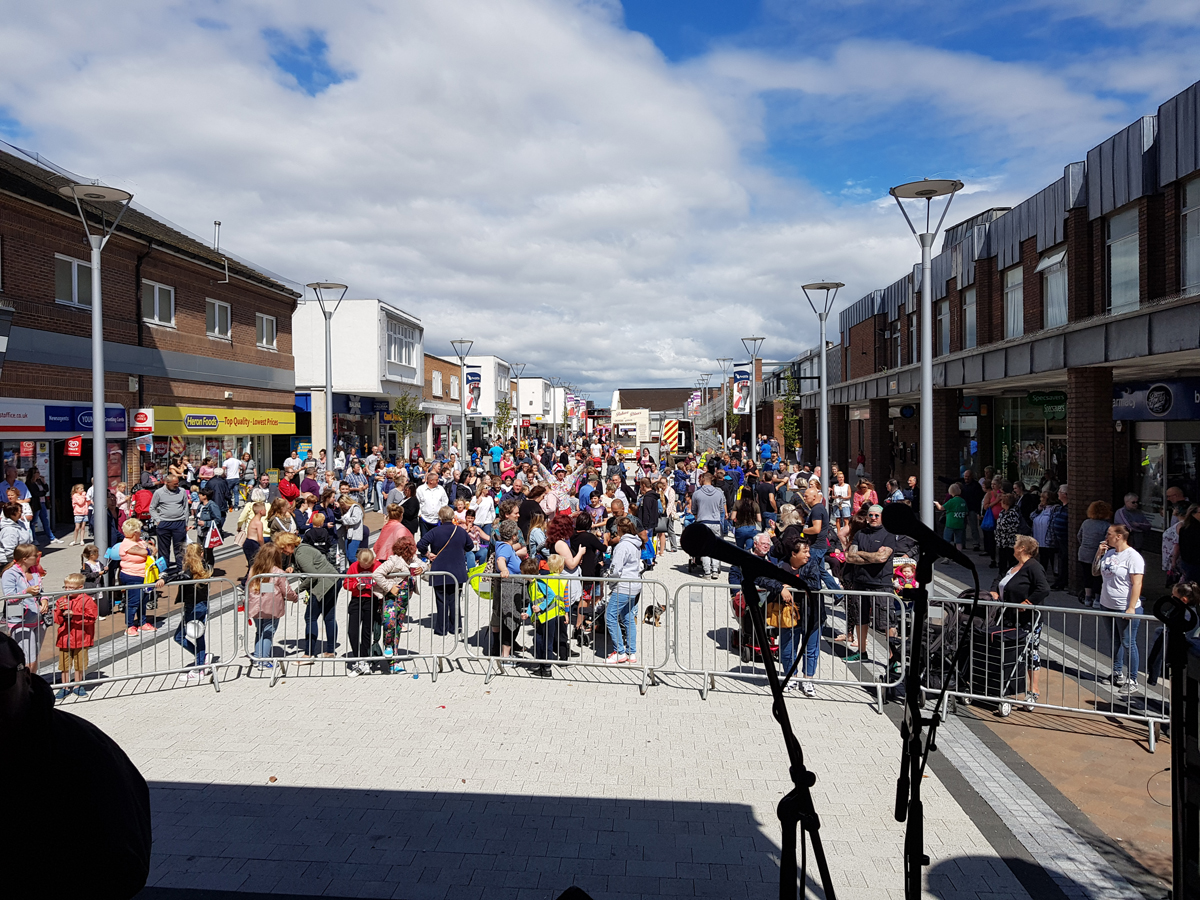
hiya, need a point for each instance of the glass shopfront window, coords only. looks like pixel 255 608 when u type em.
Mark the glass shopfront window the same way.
pixel 1031 444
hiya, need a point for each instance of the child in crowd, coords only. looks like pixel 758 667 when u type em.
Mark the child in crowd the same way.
pixel 360 582
pixel 75 618
pixel 480 553
pixel 547 610
pixel 956 518
pixel 93 572
pixel 190 633
pixel 904 573
pixel 460 512
pixel 394 579
pixel 79 507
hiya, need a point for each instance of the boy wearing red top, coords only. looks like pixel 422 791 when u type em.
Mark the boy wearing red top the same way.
pixel 361 585
pixel 75 617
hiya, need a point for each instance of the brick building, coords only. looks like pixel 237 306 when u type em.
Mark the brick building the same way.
pixel 197 359
pixel 1066 333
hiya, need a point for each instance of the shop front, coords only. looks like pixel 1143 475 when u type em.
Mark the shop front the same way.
pixel 170 431
pixel 1031 437
pixel 34 433
pixel 1164 417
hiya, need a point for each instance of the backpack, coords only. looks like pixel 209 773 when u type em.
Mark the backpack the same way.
pixel 141 503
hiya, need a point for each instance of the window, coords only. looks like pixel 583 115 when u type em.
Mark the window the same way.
pixel 454 388
pixel 72 281
pixel 1122 262
pixel 437 383
pixel 1014 302
pixel 158 303
pixel 401 342
pixel 1053 267
pixel 943 327
pixel 217 319
pixel 914 349
pixel 266 331
pixel 969 339
pixel 1 266
pixel 1191 235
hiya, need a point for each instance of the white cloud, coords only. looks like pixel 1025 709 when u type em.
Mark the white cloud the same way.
pixel 525 172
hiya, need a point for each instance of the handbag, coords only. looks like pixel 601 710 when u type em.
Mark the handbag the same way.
pixel 212 538
pixel 662 526
pixel 988 522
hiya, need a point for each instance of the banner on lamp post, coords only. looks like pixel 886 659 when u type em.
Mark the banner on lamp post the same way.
pixel 474 388
pixel 741 389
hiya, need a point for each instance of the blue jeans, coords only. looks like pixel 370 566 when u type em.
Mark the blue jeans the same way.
pixel 826 576
pixel 352 550
pixel 264 637
pixel 42 517
pixel 133 600
pixel 809 634
pixel 172 536
pixel 198 613
pixel 1125 631
pixel 743 536
pixel 622 611
pixel 321 608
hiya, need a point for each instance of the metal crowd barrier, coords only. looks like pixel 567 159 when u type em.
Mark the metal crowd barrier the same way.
pixel 1071 653
pixel 188 618
pixel 714 638
pixel 328 630
pixel 493 607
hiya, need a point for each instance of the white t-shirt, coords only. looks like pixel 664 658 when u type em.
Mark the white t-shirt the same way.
pixel 1116 569
pixel 233 468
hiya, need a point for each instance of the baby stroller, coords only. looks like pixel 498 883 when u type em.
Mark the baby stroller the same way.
pixel 744 641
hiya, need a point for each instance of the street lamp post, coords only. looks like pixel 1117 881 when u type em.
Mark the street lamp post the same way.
pixel 97 193
pixel 724 362
pixel 926 190
pixel 830 288
pixel 753 345
pixel 462 347
pixel 328 307
pixel 705 378
pixel 519 368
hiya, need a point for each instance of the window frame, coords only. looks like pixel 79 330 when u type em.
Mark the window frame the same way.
pixel 1184 213
pixel 1134 238
pixel 75 264
pixel 403 338
pixel 914 339
pixel 1054 270
pixel 259 320
pixel 943 327
pixel 970 339
pixel 216 335
pixel 454 388
pixel 1014 301
pixel 155 320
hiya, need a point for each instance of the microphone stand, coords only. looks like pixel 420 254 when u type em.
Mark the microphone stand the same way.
pixel 796 807
pixel 915 754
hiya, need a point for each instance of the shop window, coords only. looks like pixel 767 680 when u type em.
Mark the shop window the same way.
pixel 1122 262
pixel 1190 232
pixel 968 318
pixel 1053 267
pixel 454 387
pixel 437 383
pixel 266 331
pixel 217 319
pixel 943 327
pixel 401 342
pixel 1014 302
pixel 914 349
pixel 72 281
pixel 894 342
pixel 158 303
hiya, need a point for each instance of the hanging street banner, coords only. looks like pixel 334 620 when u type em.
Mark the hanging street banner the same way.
pixel 741 389
pixel 474 386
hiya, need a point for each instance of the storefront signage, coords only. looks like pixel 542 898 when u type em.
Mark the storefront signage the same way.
pixel 441 420
pixel 31 415
pixel 75 445
pixel 387 416
pixel 524 423
pixel 382 405
pixel 1053 403
pixel 1157 400
pixel 968 406
pixel 908 411
pixel 185 420
pixel 27 448
pixel 143 422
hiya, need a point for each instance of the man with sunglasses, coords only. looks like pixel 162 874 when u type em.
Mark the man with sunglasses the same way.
pixel 869 560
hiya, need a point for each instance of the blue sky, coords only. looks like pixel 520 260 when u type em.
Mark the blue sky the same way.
pixel 594 188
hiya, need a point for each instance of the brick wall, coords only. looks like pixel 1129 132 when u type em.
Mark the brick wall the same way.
pixel 1031 288
pixel 1080 266
pixel 839 437
pixel 986 284
pixel 1151 256
pixel 1090 439
pixel 946 438
pixel 1172 257
pixel 879 443
pixel 808 434
pixel 448 369
pixel 863 348
pixel 954 297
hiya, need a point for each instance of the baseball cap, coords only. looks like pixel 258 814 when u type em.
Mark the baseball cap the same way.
pixel 875 508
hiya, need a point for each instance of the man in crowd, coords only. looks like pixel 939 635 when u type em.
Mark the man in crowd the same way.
pixel 709 507
pixel 169 509
pixel 233 473
pixel 972 493
pixel 432 497
pixel 10 481
pixel 870 552
pixel 358 484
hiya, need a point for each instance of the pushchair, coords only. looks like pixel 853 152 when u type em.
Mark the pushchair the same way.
pixel 744 641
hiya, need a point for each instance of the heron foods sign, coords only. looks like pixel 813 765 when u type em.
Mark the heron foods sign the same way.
pixel 184 420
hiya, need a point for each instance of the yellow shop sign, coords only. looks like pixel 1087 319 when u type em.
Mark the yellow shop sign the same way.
pixel 183 420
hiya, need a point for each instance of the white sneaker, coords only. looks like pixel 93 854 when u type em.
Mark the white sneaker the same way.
pixel 352 670
pixel 631 659
pixel 808 688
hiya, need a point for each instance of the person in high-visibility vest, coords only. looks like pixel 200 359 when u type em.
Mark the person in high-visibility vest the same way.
pixel 547 609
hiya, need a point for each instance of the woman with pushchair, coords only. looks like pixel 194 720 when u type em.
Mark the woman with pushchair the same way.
pixel 1025 583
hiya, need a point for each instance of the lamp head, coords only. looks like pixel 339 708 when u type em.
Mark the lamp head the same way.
pixel 926 189
pixel 95 193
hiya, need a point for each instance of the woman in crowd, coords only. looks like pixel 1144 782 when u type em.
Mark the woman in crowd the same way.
pixel 1187 544
pixel 24 616
pixel 267 590
pixel 747 522
pixel 991 503
pixel 1091 535
pixel 1008 524
pixel 1025 583
pixel 280 518
pixel 797 614
pixel 39 491
pixel 351 528
pixel 589 546
pixel 864 495
pixel 620 616
pixel 839 497
pixel 322 586
pixel 1122 570
pixel 133 552
pixel 392 530
pixel 508 592
pixel 537 534
pixel 194 598
pixel 447 546
pixel 485 506
pixel 1041 521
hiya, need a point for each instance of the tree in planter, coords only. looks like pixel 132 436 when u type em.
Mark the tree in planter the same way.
pixel 790 423
pixel 504 418
pixel 406 412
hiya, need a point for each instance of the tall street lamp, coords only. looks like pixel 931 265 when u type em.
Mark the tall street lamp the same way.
pixel 830 288
pixel 724 362
pixel 555 383
pixel 753 345
pixel 93 194
pixel 325 291
pixel 462 347
pixel 926 189
pixel 519 368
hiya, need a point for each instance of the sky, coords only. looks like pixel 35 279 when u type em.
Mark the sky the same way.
pixel 609 192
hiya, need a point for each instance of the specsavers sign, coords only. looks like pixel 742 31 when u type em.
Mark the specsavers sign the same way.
pixel 182 420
